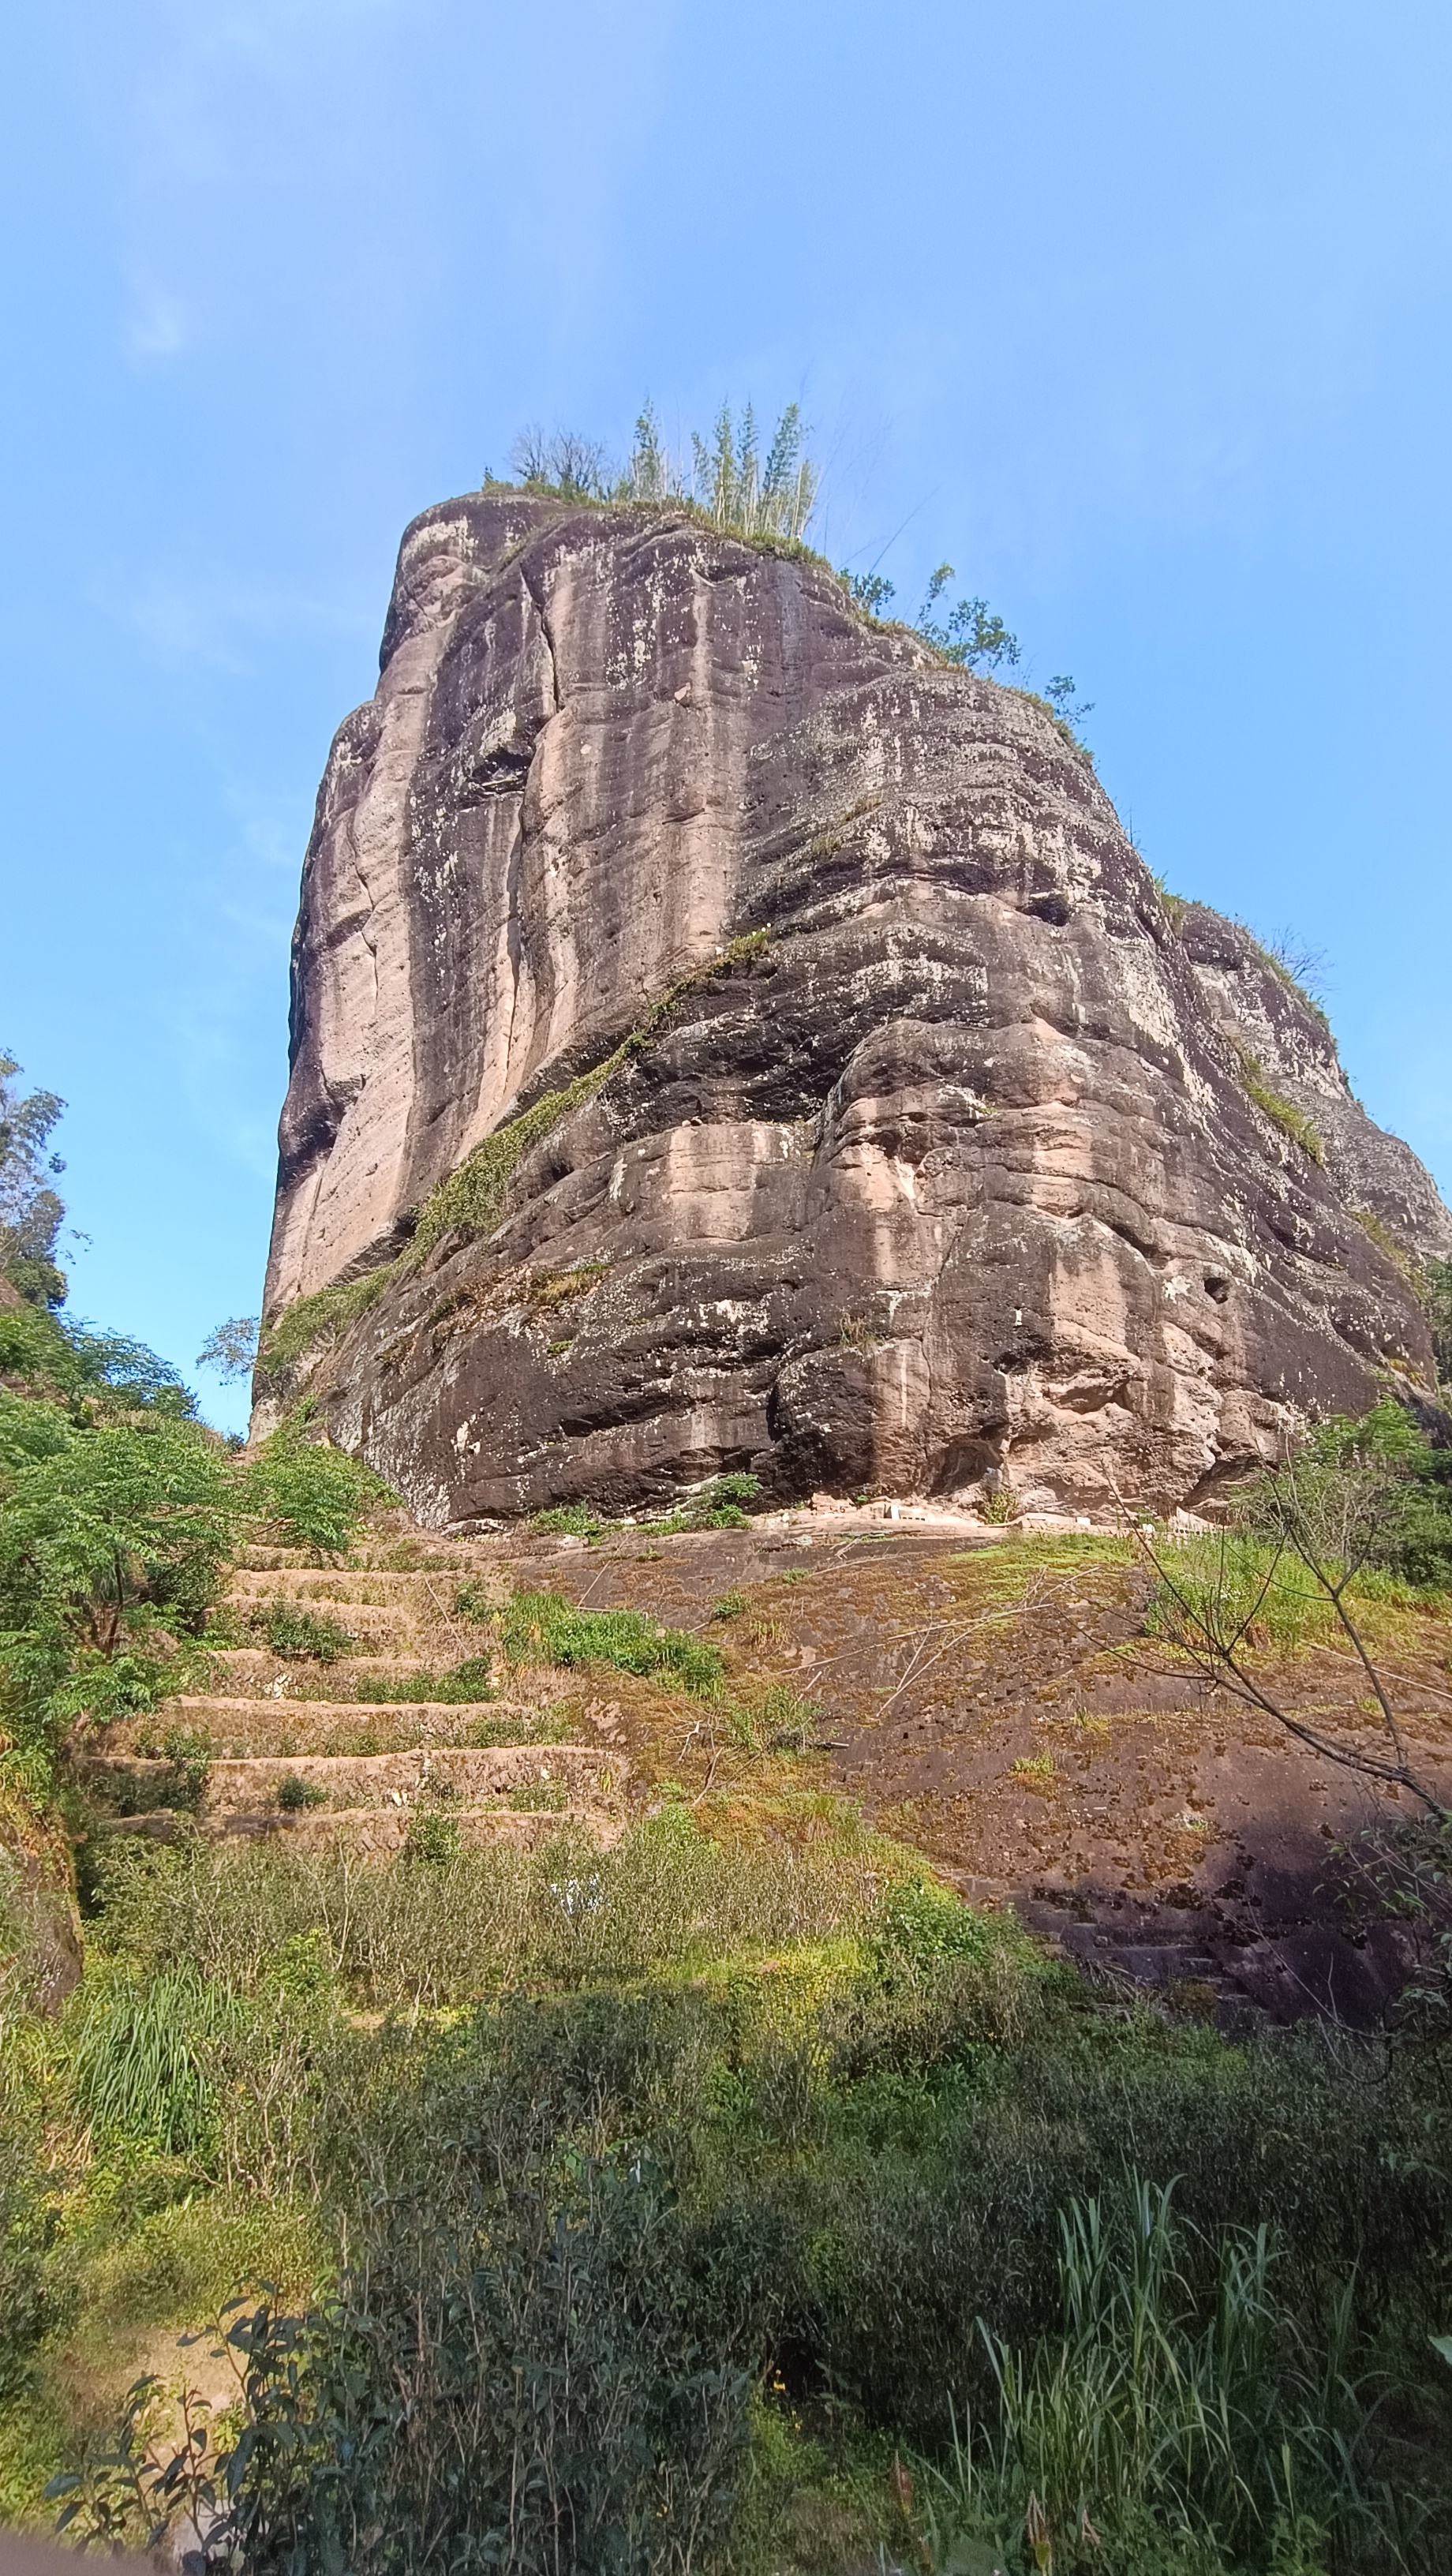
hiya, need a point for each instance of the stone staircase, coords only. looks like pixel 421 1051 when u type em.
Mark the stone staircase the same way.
pixel 360 1708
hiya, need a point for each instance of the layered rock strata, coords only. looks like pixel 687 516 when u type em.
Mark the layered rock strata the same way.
pixel 933 1152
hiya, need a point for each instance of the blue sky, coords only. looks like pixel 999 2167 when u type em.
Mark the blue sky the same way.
pixel 1138 313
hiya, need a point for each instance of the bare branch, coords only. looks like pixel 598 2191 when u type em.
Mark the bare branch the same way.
pixel 1211 1632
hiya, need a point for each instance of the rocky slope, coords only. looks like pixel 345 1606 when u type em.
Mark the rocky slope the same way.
pixel 885 1129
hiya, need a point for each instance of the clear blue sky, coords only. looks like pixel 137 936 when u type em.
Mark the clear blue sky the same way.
pixel 1137 312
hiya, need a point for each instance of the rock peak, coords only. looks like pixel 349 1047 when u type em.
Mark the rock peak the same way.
pixel 828 1088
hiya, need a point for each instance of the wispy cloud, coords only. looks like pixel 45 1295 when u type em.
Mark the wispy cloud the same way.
pixel 218 619
pixel 153 326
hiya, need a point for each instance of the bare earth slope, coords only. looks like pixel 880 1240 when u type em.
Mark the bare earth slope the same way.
pixel 977 1171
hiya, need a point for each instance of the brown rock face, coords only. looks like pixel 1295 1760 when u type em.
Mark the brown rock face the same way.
pixel 977 1171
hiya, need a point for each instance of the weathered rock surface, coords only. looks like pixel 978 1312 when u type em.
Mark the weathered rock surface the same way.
pixel 956 1182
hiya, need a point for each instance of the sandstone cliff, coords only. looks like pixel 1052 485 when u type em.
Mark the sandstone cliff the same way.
pixel 886 1129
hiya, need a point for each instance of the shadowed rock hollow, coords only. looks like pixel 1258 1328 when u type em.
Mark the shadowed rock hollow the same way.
pixel 947 1158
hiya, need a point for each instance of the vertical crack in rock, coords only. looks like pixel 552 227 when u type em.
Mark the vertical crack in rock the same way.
pixel 882 1127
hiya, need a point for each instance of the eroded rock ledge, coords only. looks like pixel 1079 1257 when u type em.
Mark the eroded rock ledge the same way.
pixel 977 1170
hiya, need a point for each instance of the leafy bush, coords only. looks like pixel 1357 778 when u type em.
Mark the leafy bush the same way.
pixel 30 1211
pixel 972 636
pixel 95 1375
pixel 301 1635
pixel 569 1520
pixel 720 1504
pixel 522 2365
pixel 1382 1472
pixel 323 1317
pixel 432 1838
pixel 317 1494
pixel 295 1794
pixel 920 1921
pixel 230 1349
pixel 112 1541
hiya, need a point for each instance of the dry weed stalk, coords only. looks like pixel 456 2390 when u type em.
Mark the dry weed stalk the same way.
pixel 1326 1524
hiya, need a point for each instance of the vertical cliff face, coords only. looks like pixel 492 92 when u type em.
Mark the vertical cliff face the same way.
pixel 928 1152
pixel 530 829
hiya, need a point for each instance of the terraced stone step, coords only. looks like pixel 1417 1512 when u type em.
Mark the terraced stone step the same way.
pixel 380 1833
pixel 307 1584
pixel 428 1773
pixel 377 1681
pixel 447 1557
pixel 374 1623
pixel 266 1724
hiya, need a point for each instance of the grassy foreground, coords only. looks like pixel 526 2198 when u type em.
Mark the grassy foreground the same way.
pixel 692 2205
pixel 725 2195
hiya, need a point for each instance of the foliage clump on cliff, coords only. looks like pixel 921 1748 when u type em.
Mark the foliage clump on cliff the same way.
pixel 727 479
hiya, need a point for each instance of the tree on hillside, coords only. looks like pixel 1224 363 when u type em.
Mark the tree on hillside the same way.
pixel 31 1212
pixel 230 1351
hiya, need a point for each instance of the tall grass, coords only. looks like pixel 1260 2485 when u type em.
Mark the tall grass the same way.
pixel 545 1628
pixel 414 1936
pixel 747 494
pixel 1161 2429
pixel 138 2057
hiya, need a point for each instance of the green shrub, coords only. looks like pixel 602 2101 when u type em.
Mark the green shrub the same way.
pixel 718 1505
pixel 475 1601
pixel 972 636
pixel 317 1494
pixel 569 1520
pixel 920 1921
pixel 301 1636
pixel 323 1317
pixel 1292 1121
pixel 295 1794
pixel 431 1838
pixel 1369 1494
pixel 521 2365
pixel 113 1536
